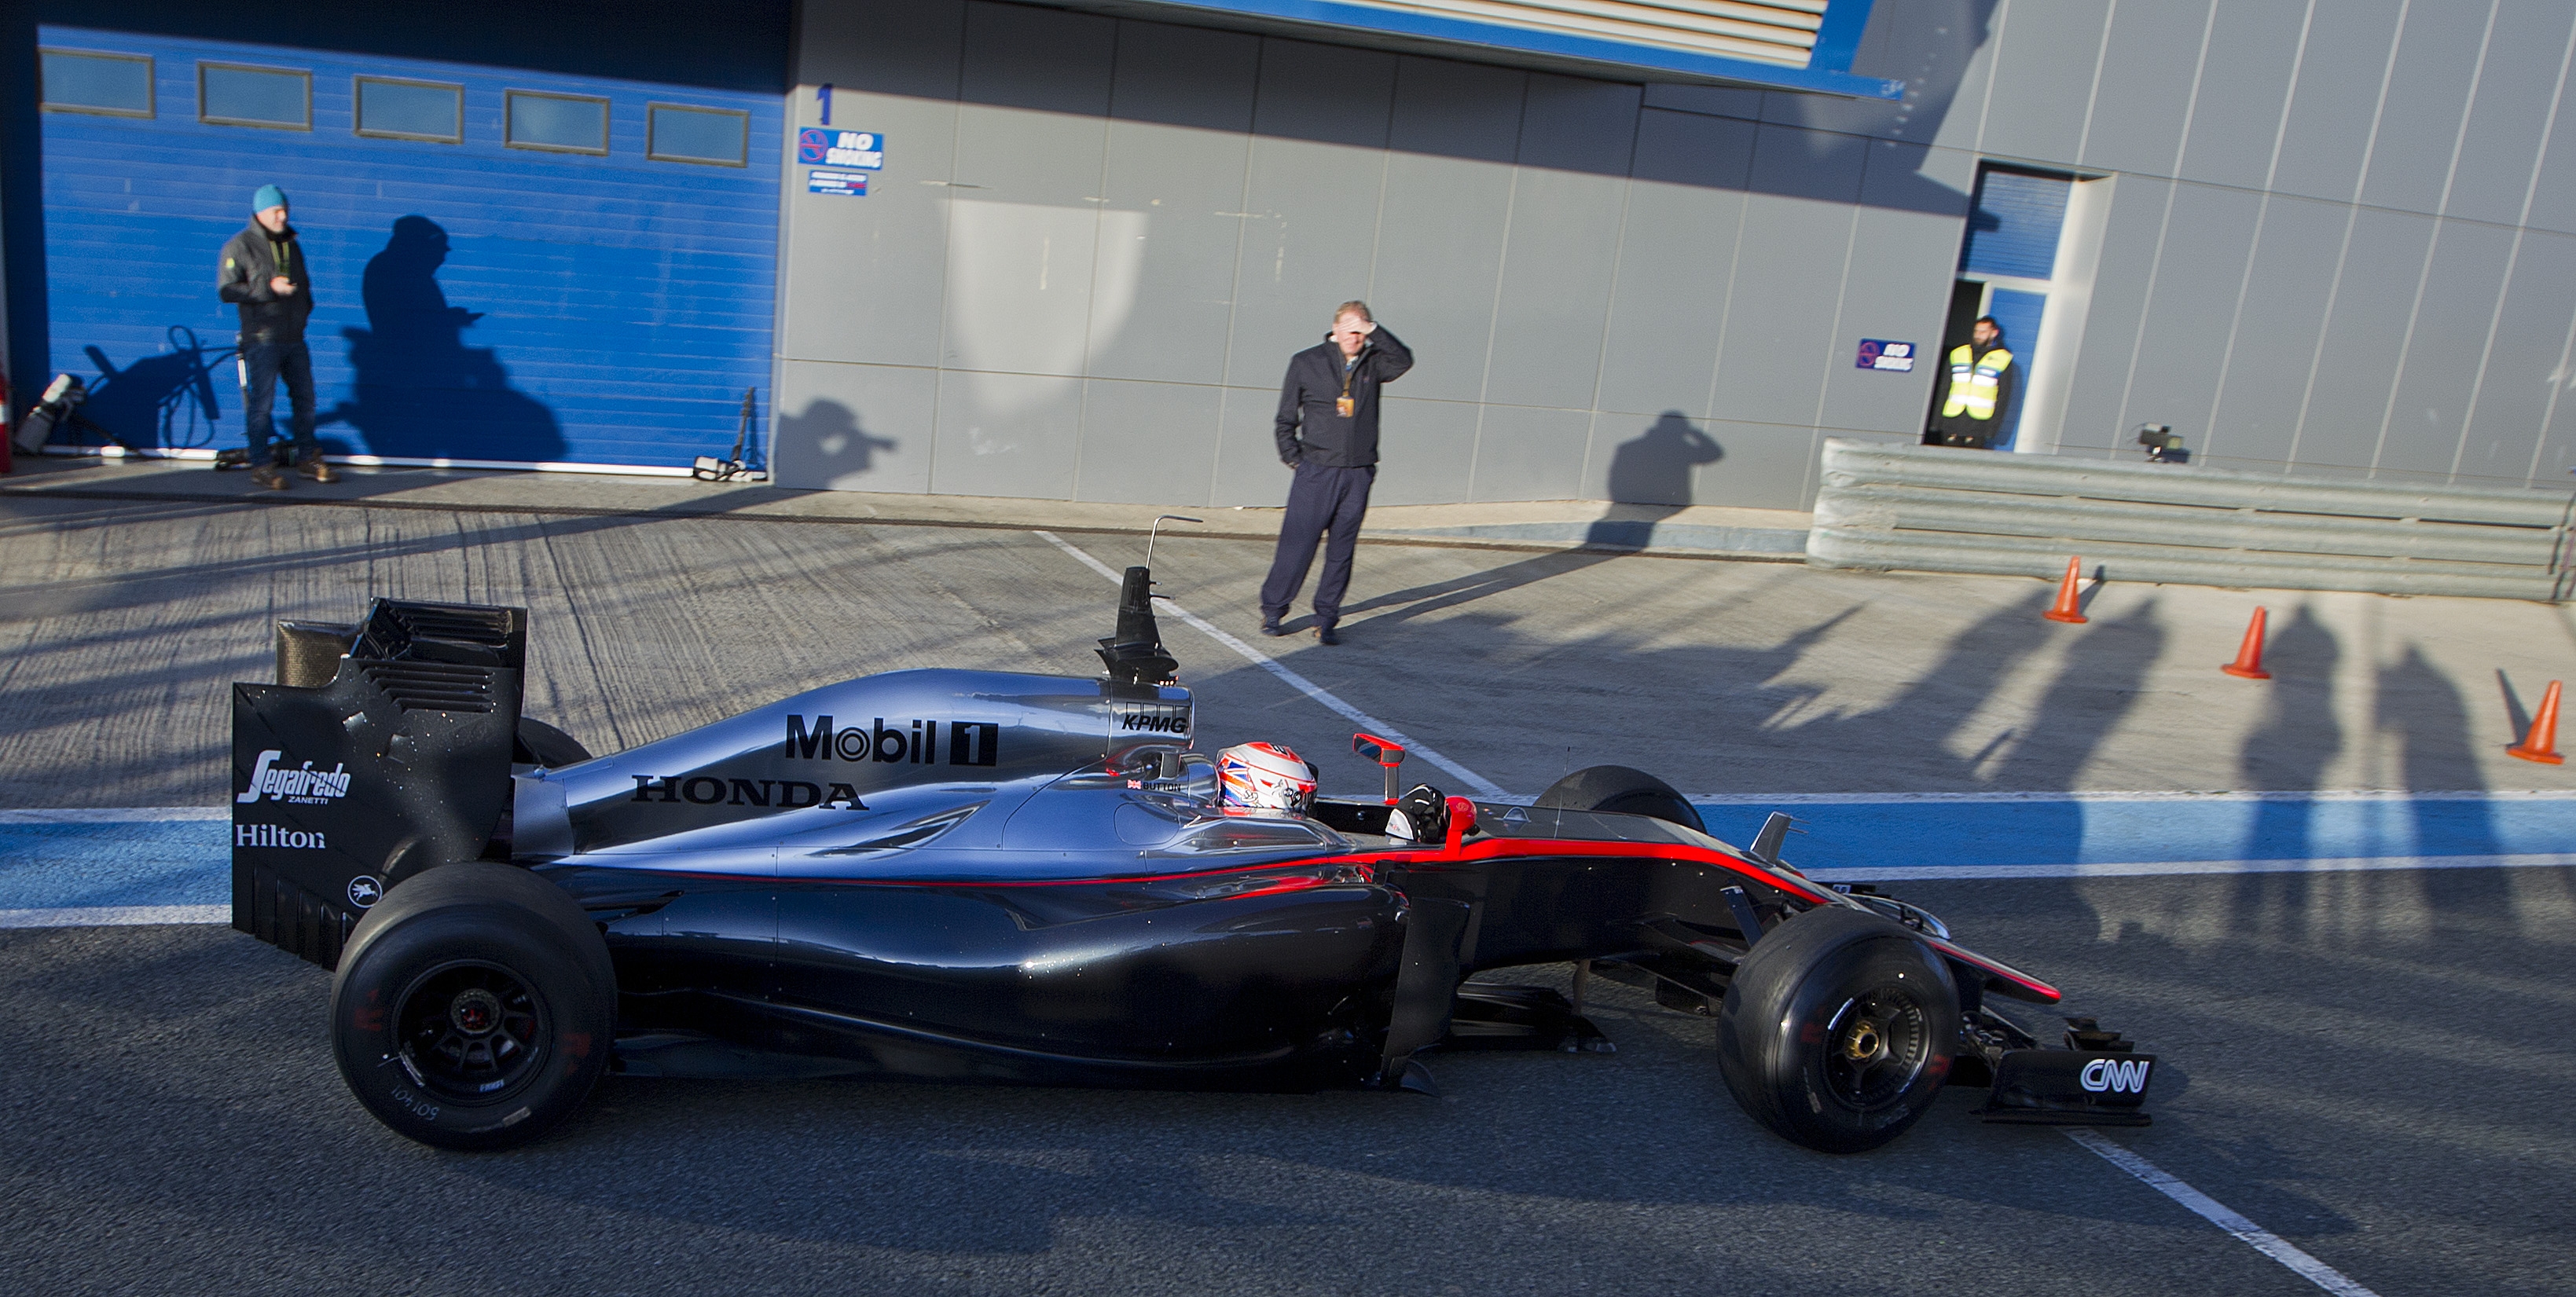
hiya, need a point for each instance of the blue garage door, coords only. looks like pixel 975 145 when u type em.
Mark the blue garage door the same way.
pixel 509 267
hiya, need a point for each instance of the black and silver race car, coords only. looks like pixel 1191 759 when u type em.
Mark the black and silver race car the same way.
pixel 979 876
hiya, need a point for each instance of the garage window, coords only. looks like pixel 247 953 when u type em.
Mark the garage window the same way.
pixel 235 94
pixel 411 110
pixel 714 136
pixel 113 85
pixel 557 123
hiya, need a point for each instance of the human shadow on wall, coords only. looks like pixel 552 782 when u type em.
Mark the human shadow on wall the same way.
pixel 421 392
pixel 824 444
pixel 1650 480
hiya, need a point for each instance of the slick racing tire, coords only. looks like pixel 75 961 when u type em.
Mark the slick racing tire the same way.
pixel 1622 790
pixel 541 744
pixel 474 1007
pixel 1838 1030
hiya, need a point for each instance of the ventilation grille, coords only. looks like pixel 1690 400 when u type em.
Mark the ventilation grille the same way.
pixel 432 686
pixel 444 632
pixel 288 917
pixel 1765 31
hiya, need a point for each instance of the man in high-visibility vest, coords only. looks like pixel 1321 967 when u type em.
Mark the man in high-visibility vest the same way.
pixel 1976 410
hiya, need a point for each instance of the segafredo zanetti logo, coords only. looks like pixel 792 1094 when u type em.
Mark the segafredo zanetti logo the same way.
pixel 2115 1076
pixel 303 784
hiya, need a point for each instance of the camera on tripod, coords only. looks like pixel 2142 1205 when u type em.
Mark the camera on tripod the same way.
pixel 58 408
pixel 2163 447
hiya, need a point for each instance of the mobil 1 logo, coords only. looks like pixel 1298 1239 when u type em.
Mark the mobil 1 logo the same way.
pixel 912 742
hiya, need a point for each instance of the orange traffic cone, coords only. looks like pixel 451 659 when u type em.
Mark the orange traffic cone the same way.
pixel 2542 744
pixel 2249 656
pixel 2066 611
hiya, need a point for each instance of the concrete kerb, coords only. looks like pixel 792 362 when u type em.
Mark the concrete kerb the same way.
pixel 1751 535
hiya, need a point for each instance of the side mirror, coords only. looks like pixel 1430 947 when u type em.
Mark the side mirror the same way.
pixel 1387 754
pixel 1462 821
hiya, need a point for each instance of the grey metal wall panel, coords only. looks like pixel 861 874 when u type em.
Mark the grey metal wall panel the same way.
pixel 846 260
pixel 1528 453
pixel 1439 260
pixel 1677 258
pixel 2207 243
pixel 2429 412
pixel 2522 370
pixel 1457 110
pixel 2501 148
pixel 1006 434
pixel 1759 466
pixel 1310 224
pixel 1185 76
pixel 1953 34
pixel 1559 261
pixel 1324 93
pixel 1794 163
pixel 2341 69
pixel 1148 443
pixel 853 427
pixel 1897 289
pixel 1711 101
pixel 2275 334
pixel 1163 282
pixel 1648 459
pixel 2553 197
pixel 1248 471
pixel 2043 73
pixel 2437 56
pixel 1771 360
pixel 1019 279
pixel 2135 122
pixel 2244 87
pixel 2095 414
pixel 2373 295
pixel 1576 125
pixel 895 49
pixel 1424 451
pixel 1046 60
pixel 1014 156
pixel 1684 149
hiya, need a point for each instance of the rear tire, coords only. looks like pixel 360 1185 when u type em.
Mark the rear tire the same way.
pixel 1838 1030
pixel 1624 791
pixel 474 1008
pixel 541 744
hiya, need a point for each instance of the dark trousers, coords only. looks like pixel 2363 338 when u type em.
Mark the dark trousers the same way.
pixel 1323 503
pixel 268 362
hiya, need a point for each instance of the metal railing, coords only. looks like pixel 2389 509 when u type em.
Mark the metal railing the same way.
pixel 1935 509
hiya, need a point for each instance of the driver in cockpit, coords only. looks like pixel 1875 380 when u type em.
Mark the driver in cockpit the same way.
pixel 1267 779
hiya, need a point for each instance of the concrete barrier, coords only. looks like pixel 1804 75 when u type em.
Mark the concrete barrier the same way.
pixel 1935 509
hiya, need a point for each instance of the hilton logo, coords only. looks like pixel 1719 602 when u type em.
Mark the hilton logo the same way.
pixel 970 743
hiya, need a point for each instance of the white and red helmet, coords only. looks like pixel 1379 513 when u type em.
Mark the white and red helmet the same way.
pixel 1264 779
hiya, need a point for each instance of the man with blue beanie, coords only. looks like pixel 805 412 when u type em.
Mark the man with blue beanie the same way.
pixel 264 275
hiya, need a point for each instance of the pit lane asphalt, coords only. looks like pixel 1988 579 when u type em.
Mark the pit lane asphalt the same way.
pixel 2366 1064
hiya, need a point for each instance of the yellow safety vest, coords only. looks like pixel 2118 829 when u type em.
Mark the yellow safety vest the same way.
pixel 1972 381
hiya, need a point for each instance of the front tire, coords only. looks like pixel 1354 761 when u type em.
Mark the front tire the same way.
pixel 1838 1030
pixel 474 1008
pixel 1624 791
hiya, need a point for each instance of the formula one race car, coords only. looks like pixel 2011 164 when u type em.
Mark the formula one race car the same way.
pixel 969 875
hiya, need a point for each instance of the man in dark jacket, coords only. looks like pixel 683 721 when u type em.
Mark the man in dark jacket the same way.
pixel 1327 432
pixel 264 275
pixel 1976 411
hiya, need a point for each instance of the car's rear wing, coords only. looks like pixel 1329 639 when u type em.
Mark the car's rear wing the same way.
pixel 383 749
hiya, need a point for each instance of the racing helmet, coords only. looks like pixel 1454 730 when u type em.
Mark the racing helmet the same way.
pixel 1264 779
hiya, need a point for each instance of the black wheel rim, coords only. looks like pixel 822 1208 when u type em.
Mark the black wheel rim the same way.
pixel 471 1031
pixel 1877 1043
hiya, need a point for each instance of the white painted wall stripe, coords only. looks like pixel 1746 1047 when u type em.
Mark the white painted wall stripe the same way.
pixel 1484 787
pixel 2217 1213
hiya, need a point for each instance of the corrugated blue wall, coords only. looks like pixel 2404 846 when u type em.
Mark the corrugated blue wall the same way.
pixel 526 306
pixel 2013 228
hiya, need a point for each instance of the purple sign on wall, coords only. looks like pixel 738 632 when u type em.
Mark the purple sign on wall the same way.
pixel 1894 357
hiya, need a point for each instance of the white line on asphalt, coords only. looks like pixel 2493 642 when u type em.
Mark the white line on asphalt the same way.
pixel 115 814
pixel 1483 786
pixel 2216 1213
pixel 103 916
pixel 2158 868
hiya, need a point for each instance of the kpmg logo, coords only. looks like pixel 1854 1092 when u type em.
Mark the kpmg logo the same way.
pixel 970 743
pixel 2115 1076
pixel 1154 718
pixel 302 785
